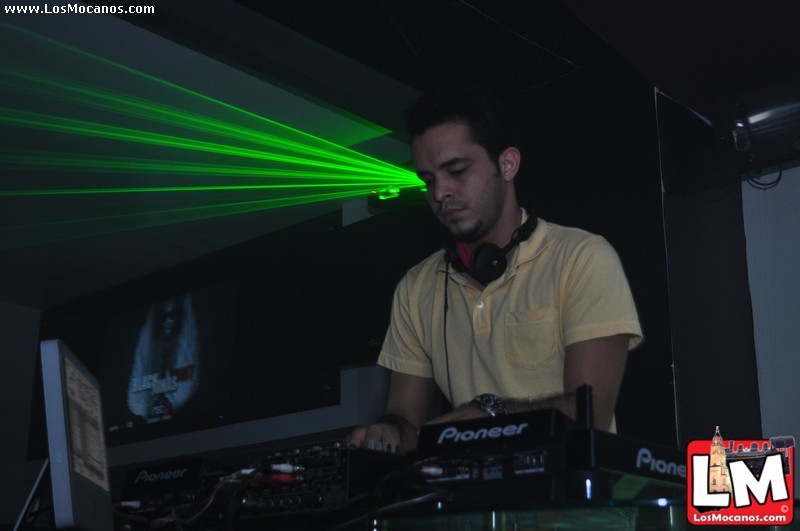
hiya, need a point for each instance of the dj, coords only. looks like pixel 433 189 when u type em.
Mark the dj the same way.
pixel 518 313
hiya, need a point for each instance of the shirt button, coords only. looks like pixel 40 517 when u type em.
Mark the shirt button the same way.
pixel 480 305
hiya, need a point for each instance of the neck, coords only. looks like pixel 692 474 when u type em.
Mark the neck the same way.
pixel 505 227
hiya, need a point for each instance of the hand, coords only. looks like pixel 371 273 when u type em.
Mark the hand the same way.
pixel 469 410
pixel 407 407
pixel 380 436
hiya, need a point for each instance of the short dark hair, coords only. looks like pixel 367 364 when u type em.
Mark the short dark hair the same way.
pixel 486 116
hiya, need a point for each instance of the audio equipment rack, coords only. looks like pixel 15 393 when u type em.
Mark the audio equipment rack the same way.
pixel 513 462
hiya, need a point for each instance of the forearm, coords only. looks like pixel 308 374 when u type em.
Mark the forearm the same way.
pixel 564 403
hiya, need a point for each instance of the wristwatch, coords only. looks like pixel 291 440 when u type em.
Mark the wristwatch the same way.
pixel 493 405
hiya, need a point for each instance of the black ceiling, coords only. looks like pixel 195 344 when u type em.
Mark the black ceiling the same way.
pixel 510 46
pixel 707 55
pixel 702 54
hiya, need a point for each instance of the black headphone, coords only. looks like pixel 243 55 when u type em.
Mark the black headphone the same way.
pixel 488 260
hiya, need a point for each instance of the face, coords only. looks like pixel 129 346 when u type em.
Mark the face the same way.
pixel 168 317
pixel 465 189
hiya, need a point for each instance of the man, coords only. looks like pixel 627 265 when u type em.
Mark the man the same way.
pixel 521 336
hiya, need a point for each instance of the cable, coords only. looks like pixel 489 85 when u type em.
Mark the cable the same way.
pixel 444 332
pixel 756 183
pixel 191 519
pixel 173 517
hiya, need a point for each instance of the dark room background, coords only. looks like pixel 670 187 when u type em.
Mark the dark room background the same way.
pixel 626 113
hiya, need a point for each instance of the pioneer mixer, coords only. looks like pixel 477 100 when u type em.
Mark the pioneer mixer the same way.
pixel 303 482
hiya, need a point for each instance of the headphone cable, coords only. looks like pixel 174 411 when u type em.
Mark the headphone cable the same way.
pixel 444 331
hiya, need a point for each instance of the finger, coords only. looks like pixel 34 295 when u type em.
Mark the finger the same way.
pixel 356 437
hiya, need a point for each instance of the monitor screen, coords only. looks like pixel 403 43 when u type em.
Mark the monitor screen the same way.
pixel 76 441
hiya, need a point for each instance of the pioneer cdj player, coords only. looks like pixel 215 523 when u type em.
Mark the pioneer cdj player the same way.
pixel 543 456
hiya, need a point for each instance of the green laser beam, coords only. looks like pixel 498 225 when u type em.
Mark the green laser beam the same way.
pixel 73 126
pixel 65 230
pixel 33 160
pixel 232 144
pixel 167 189
pixel 137 107
pixel 154 79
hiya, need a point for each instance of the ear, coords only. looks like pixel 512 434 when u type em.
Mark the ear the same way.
pixel 509 163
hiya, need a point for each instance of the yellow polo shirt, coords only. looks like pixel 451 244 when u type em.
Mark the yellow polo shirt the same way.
pixel 563 285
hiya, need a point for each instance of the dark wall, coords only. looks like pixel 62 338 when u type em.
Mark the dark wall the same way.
pixel 607 154
pixel 591 160
pixel 278 317
pixel 18 345
pixel 716 376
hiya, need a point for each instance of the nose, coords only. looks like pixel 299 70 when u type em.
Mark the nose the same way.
pixel 440 189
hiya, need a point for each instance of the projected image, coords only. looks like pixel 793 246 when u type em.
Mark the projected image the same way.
pixel 166 362
pixel 166 368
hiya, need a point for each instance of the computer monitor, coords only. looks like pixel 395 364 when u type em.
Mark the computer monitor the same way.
pixel 76 442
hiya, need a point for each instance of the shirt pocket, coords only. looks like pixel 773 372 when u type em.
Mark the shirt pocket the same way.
pixel 531 337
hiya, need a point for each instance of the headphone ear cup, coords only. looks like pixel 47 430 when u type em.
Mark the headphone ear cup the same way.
pixel 488 262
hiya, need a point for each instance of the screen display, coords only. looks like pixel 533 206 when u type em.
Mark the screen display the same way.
pixel 85 426
pixel 76 441
pixel 167 361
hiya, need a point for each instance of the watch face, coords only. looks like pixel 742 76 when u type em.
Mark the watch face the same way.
pixel 491 404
